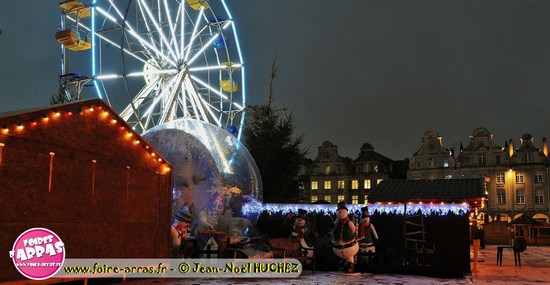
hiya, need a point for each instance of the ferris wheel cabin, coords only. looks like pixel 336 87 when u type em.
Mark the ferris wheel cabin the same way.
pixel 70 37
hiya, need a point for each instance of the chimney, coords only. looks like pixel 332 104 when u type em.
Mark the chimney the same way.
pixel 545 147
pixel 511 148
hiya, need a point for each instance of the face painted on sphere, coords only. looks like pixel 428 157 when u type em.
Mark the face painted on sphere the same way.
pixel 300 222
pixel 342 214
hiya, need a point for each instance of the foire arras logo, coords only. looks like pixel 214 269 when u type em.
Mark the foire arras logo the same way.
pixel 38 253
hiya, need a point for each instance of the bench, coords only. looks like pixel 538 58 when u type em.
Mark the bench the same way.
pixel 291 248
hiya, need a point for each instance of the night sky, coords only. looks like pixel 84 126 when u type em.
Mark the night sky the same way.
pixel 354 71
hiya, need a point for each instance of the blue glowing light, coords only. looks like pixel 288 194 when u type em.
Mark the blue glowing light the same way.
pixel 399 209
pixel 243 83
pixel 94 47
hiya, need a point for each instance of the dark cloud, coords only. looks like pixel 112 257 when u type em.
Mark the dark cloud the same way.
pixel 356 71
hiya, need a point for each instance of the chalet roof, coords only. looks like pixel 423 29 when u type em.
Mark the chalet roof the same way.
pixel 524 220
pixel 47 109
pixel 20 117
pixel 436 190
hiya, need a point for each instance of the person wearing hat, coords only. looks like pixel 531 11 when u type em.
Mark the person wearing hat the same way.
pixel 367 236
pixel 344 244
pixel 180 231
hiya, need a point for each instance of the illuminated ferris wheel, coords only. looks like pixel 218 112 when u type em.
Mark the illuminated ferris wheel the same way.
pixel 159 60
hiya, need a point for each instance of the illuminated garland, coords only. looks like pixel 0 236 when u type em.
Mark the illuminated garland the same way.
pixel 52 116
pixel 255 207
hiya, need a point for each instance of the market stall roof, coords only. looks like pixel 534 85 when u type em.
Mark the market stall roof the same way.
pixel 469 190
pixel 524 220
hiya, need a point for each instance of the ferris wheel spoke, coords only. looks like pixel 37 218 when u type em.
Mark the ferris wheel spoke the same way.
pixel 113 5
pixel 204 47
pixel 147 44
pixel 181 16
pixel 130 30
pixel 222 96
pixel 194 34
pixel 228 66
pixel 138 99
pixel 126 23
pixel 98 34
pixel 136 74
pixel 144 17
pixel 208 44
pixel 172 29
pixel 211 110
pixel 159 29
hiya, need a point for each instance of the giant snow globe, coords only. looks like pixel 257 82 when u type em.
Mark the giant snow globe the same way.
pixel 214 174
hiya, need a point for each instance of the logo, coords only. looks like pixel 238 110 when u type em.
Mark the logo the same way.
pixel 38 253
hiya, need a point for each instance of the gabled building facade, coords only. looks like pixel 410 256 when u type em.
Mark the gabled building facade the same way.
pixel 332 178
pixel 517 177
pixel 432 160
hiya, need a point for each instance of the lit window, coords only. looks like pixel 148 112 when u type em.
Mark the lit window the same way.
pixel 448 176
pixel 327 169
pixel 366 184
pixel 538 177
pixel 355 199
pixel 519 177
pixel 366 199
pixel 328 184
pixel 520 196
pixel 328 198
pixel 445 163
pixel 378 181
pixel 354 184
pixel 314 198
pixel 501 196
pixel 500 178
pixel 376 168
pixel 539 196
pixel 340 198
pixel 314 185
pixel 341 184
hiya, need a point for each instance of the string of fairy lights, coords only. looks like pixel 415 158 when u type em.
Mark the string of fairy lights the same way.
pixel 50 117
pixel 256 207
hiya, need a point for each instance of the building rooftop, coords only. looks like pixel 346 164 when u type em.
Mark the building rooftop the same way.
pixel 436 190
